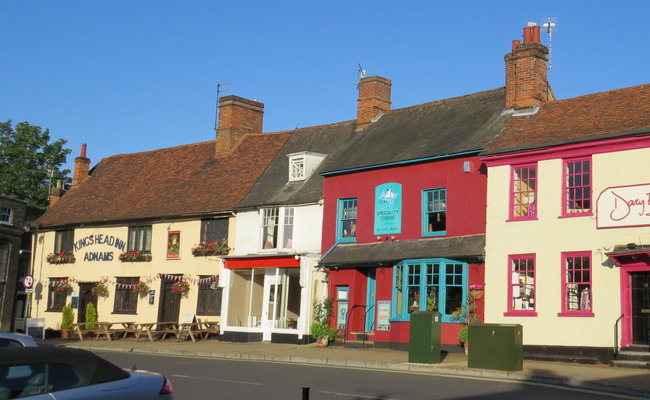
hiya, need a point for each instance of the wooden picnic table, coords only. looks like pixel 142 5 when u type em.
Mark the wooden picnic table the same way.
pixel 109 329
pixel 210 328
pixel 82 328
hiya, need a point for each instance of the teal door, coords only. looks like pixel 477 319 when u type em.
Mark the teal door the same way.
pixel 371 308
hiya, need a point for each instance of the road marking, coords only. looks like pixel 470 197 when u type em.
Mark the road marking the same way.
pixel 356 396
pixel 218 380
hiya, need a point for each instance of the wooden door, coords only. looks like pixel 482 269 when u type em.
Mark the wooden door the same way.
pixel 85 296
pixel 641 307
pixel 170 303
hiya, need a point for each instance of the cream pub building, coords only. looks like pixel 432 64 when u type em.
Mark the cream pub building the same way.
pixel 144 244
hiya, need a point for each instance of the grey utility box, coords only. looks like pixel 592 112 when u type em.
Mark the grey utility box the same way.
pixel 496 346
pixel 424 337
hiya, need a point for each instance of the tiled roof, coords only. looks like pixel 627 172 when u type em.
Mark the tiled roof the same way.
pixel 174 182
pixel 389 253
pixel 274 188
pixel 437 129
pixel 616 113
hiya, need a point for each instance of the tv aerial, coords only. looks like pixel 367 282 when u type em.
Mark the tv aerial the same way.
pixel 550 25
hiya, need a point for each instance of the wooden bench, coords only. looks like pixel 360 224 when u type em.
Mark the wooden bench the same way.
pixel 210 328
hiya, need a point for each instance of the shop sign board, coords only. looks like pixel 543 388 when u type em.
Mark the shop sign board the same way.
pixel 624 206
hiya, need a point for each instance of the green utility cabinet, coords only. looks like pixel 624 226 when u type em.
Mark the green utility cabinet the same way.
pixel 496 346
pixel 424 337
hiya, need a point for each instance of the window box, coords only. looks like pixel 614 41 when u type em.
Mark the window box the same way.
pixel 210 249
pixel 60 258
pixel 135 256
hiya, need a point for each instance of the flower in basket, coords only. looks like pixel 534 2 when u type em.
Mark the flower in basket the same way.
pixel 213 248
pixel 60 258
pixel 62 285
pixel 140 287
pixel 477 291
pixel 100 289
pixel 135 255
pixel 181 287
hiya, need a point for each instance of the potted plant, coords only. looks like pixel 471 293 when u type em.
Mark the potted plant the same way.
pixel 135 256
pixel 62 286
pixel 181 287
pixel 60 258
pixel 91 317
pixel 213 248
pixel 466 316
pixel 320 329
pixel 100 289
pixel 141 287
pixel 67 319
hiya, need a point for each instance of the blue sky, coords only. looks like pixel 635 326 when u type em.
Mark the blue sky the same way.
pixel 127 76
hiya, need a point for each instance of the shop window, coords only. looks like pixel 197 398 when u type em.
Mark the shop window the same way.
pixel 434 212
pixel 521 288
pixel 576 285
pixel 274 234
pixel 5 251
pixel 429 285
pixel 214 230
pixel 140 238
pixel 56 297
pixel 64 242
pixel 6 215
pixel 347 220
pixel 577 187
pixel 209 297
pixel 523 192
pixel 126 299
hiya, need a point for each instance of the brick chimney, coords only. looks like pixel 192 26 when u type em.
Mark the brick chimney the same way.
pixel 526 73
pixel 237 117
pixel 56 192
pixel 81 167
pixel 374 99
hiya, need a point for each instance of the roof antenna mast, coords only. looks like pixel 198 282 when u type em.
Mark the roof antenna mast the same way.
pixel 549 23
pixel 216 113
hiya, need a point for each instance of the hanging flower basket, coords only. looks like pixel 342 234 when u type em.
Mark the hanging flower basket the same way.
pixel 181 287
pixel 210 249
pixel 140 287
pixel 62 286
pixel 135 256
pixel 60 258
pixel 100 289
pixel 477 291
pixel 214 285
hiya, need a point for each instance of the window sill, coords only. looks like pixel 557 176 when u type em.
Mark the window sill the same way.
pixel 576 314
pixel 434 234
pixel 346 240
pixel 62 262
pixel 587 214
pixel 520 314
pixel 522 219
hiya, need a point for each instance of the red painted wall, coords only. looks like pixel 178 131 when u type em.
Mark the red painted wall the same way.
pixel 466 204
pixel 466 198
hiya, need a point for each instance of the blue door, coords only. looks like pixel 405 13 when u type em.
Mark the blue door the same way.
pixel 371 308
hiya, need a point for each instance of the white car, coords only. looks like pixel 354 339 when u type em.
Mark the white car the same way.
pixel 16 340
pixel 60 373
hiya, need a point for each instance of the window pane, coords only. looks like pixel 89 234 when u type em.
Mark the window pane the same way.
pixel 524 192
pixel 436 210
pixel 270 228
pixel 523 284
pixel 578 186
pixel 348 218
pixel 578 283
pixel 288 228
pixel 126 299
pixel 214 230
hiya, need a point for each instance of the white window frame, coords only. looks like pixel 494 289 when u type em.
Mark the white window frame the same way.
pixel 6 215
pixel 297 168
pixel 284 218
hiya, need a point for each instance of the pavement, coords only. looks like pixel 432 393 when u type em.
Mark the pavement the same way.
pixel 634 383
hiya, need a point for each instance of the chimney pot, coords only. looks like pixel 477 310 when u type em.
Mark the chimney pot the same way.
pixel 83 150
pixel 535 34
pixel 527 34
pixel 515 43
pixel 81 167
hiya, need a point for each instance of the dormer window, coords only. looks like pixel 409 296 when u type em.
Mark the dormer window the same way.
pixel 303 164
pixel 297 169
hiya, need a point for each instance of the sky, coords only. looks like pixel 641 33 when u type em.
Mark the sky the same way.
pixel 127 76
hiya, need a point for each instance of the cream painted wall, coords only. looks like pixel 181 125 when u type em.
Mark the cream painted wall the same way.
pixel 91 271
pixel 548 237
